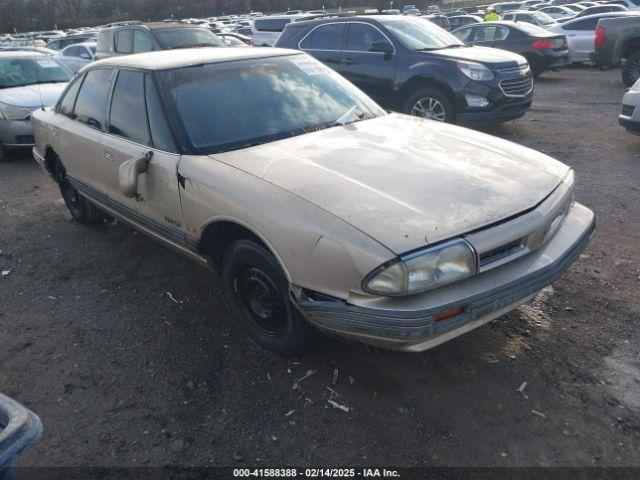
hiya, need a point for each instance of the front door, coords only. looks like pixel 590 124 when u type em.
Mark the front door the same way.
pixel 132 133
pixel 372 71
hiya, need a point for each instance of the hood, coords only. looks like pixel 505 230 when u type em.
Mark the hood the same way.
pixel 405 181
pixel 31 95
pixel 489 56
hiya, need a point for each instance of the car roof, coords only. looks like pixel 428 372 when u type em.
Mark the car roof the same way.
pixel 23 54
pixel 167 59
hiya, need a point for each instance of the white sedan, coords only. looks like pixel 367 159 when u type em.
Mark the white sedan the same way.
pixel 77 55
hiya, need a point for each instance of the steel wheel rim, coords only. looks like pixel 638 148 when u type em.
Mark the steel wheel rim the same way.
pixel 261 300
pixel 71 197
pixel 431 108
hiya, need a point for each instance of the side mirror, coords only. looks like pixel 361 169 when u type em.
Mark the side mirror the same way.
pixel 128 174
pixel 384 47
pixel 85 56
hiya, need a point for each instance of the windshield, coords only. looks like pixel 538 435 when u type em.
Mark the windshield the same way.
pixel 227 106
pixel 420 34
pixel 170 38
pixel 542 18
pixel 16 72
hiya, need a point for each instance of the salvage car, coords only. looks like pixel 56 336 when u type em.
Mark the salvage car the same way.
pixel 411 66
pixel 323 211
pixel 28 81
pixel 543 50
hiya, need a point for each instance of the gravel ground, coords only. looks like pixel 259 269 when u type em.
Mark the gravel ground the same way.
pixel 121 374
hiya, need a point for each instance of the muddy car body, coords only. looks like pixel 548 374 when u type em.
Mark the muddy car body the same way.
pixel 325 211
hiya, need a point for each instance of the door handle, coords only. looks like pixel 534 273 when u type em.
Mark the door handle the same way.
pixel 55 132
pixel 108 154
pixel 347 61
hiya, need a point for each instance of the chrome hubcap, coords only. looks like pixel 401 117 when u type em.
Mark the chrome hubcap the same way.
pixel 429 107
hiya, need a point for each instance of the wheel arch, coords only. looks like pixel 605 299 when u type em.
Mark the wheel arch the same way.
pixel 219 233
pixel 422 81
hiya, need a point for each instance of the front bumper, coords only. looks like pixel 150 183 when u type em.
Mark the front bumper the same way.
pixel 630 125
pixel 16 133
pixel 409 323
pixel 503 106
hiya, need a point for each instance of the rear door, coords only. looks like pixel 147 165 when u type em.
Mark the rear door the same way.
pixel 373 72
pixel 78 132
pixel 324 42
pixel 137 124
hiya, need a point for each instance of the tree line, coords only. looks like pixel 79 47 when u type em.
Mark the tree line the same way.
pixel 36 15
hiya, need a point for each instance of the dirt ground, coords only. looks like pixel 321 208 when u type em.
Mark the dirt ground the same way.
pixel 92 340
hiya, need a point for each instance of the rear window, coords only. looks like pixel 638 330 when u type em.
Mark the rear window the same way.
pixel 170 38
pixel 271 24
pixel 215 105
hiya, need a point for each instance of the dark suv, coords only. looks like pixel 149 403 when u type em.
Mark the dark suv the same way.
pixel 138 37
pixel 411 66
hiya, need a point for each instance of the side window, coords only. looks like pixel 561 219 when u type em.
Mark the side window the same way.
pixel 141 42
pixel 160 133
pixel 587 24
pixel 524 18
pixel 465 35
pixel 123 41
pixel 72 52
pixel 326 37
pixel 361 36
pixel 65 107
pixel 92 99
pixel 500 33
pixel 127 117
pixel 483 34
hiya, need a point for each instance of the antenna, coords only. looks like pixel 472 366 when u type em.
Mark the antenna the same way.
pixel 35 58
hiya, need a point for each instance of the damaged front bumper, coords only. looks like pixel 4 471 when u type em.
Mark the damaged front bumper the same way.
pixel 411 323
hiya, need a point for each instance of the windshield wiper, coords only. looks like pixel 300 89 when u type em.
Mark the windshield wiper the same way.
pixel 350 116
pixel 196 45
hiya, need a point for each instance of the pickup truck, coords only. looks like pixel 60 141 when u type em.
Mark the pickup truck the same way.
pixel 617 42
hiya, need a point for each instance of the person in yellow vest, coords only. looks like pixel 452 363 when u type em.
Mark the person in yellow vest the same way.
pixel 490 15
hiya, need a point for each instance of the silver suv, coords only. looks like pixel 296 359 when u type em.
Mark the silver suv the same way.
pixel 138 37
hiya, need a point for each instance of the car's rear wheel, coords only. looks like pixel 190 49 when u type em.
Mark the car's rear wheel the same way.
pixel 79 207
pixel 258 293
pixel 431 103
pixel 631 70
pixel 536 65
pixel 3 152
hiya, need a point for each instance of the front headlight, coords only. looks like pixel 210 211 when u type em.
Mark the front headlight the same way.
pixel 11 112
pixel 475 71
pixel 423 270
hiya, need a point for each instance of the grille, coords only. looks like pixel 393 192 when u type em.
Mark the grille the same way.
pixel 517 87
pixel 500 252
pixel 627 110
pixel 25 139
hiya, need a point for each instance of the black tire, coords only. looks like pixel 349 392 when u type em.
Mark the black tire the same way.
pixel 80 208
pixel 631 70
pixel 420 99
pixel 537 66
pixel 258 294
pixel 3 152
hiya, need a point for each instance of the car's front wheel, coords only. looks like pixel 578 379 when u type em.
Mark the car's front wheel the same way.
pixel 258 293
pixel 431 103
pixel 79 207
pixel 631 70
